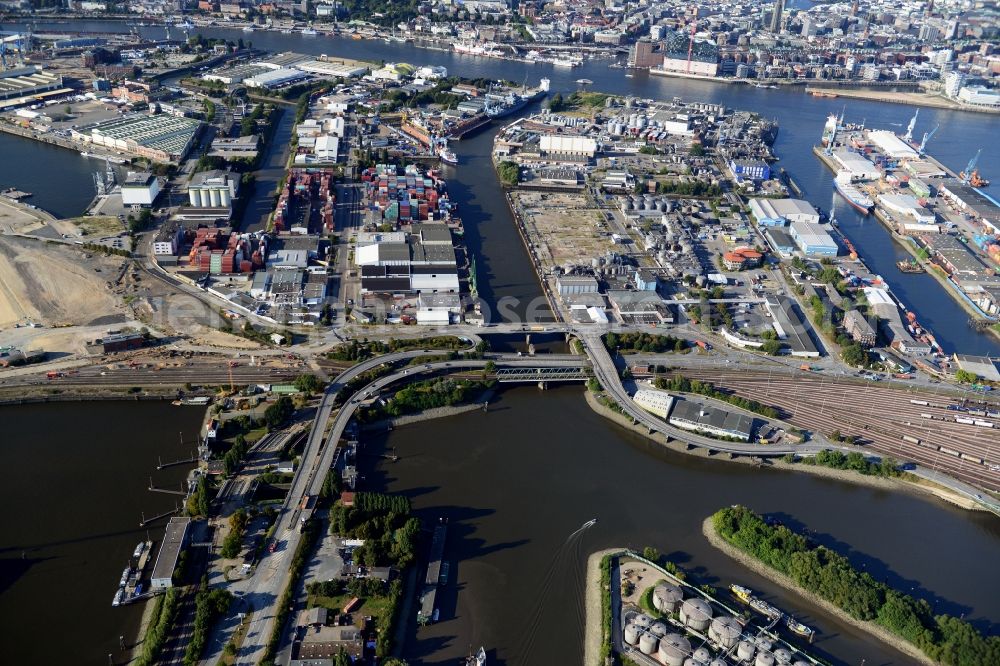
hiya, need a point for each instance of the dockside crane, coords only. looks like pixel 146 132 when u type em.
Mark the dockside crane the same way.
pixel 909 128
pixel 927 137
pixel 971 174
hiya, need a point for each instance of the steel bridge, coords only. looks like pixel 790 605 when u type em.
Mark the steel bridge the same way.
pixel 550 374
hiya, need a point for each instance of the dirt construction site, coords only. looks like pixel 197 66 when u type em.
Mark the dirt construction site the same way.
pixel 563 227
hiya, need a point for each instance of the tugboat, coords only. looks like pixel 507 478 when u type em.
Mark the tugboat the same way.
pixel 798 628
pixel 909 266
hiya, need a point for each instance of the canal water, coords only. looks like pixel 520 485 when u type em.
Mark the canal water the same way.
pixel 516 483
pixel 74 490
pixel 501 258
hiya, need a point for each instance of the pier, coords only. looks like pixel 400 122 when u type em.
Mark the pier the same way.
pixel 146 521
pixel 154 489
pixel 173 463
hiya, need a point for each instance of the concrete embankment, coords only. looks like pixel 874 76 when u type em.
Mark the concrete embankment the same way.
pixel 776 463
pixel 900 97
pixel 708 529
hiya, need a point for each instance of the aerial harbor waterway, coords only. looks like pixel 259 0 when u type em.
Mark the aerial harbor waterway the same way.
pixel 516 484
pixel 74 491
pixel 500 254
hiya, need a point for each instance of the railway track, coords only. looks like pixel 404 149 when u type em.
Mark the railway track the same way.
pixel 880 417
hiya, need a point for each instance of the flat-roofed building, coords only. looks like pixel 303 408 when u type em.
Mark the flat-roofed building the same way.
pixel 981 366
pixel 158 137
pixel 654 402
pixel 696 417
pixel 175 539
pixel 140 189
pixel 813 239
pixel 576 284
pixel 790 326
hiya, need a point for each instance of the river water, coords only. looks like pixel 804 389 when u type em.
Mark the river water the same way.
pixel 515 483
pixel 73 494
pixel 500 255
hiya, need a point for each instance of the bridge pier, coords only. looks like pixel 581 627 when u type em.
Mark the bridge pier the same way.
pixel 543 385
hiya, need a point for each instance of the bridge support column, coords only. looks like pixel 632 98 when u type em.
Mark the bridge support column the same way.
pixel 543 385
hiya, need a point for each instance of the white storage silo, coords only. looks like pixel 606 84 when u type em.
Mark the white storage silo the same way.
pixel 696 613
pixel 631 634
pixel 745 651
pixel 194 198
pixel 648 643
pixel 642 620
pixel 782 656
pixel 658 629
pixel 667 597
pixel 725 631
pixel 215 197
pixel 702 655
pixel 764 659
pixel 226 197
pixel 673 649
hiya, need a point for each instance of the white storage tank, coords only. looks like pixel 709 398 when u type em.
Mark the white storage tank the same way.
pixel 658 629
pixel 648 643
pixel 691 661
pixel 631 634
pixel 696 613
pixel 782 656
pixel 764 659
pixel 227 198
pixel 194 198
pixel 215 197
pixel 718 662
pixel 667 597
pixel 673 649
pixel 745 651
pixel 702 655
pixel 725 631
pixel 642 620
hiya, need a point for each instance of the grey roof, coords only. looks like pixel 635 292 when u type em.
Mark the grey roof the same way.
pixel 170 549
pixel 695 413
pixel 791 323
pixel 432 233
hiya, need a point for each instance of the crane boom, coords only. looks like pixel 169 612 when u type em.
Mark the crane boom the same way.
pixel 966 175
pixel 909 128
pixel 927 137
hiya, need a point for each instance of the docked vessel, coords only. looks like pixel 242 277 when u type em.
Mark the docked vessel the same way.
pixel 797 627
pixel 500 105
pixel 909 266
pixel 488 49
pixel 447 156
pixel 566 62
pixel 745 595
pixel 119 597
pixel 309 31
pixel 858 199
pixel 248 28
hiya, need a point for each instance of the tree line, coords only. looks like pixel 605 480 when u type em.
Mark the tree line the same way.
pixel 209 606
pixel 685 385
pixel 946 639
pixel 425 395
pixel 645 342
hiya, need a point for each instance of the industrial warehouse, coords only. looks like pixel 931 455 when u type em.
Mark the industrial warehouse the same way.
pixel 695 417
pixel 158 137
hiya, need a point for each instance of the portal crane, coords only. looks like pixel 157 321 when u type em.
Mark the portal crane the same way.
pixel 927 137
pixel 909 128
pixel 970 168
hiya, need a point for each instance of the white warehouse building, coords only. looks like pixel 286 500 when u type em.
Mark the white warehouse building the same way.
pixel 654 402
pixel 567 145
pixel 861 167
pixel 140 189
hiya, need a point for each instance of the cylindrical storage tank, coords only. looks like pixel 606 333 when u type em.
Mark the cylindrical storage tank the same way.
pixel 214 197
pixel 800 663
pixel 648 643
pixel 764 659
pixel 702 655
pixel 227 198
pixel 691 661
pixel 667 597
pixel 725 631
pixel 642 620
pixel 782 656
pixel 718 662
pixel 193 197
pixel 673 649
pixel 658 629
pixel 631 634
pixel 745 651
pixel 696 613
pixel 763 644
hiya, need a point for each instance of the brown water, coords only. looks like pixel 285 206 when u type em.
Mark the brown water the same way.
pixel 75 478
pixel 518 481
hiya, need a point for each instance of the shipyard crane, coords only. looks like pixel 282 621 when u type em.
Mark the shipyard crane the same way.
pixel 909 128
pixel 927 137
pixel 971 174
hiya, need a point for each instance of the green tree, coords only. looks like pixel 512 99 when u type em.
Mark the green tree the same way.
pixel 308 383
pixel 854 355
pixel 966 377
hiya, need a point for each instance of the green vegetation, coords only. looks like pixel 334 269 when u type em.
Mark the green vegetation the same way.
pixel 384 522
pixel 278 414
pixel 605 608
pixel 854 461
pixel 234 539
pixel 104 249
pixel 696 150
pixel 231 459
pixel 164 613
pixel 966 377
pixel 644 342
pixel 197 502
pixel 688 188
pixel 829 575
pixel 854 355
pixel 577 101
pixel 209 606
pixel 308 383
pixel 685 385
pixel 509 173
pixel 420 396
pixel 360 351
pixel 141 223
pixel 209 110
pixel 306 544
pixel 771 347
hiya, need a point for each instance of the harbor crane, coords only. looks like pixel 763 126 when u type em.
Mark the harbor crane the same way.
pixel 971 174
pixel 927 137
pixel 909 128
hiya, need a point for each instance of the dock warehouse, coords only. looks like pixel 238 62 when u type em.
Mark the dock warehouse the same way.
pixel 906 205
pixel 890 144
pixel 779 212
pixel 159 137
pixel 981 366
pixel 174 541
pixel 790 326
pixel 702 418
pixel 861 167
pixel 970 200
pixel 813 239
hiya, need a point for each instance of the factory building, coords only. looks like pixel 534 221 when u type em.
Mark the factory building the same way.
pixel 859 329
pixel 158 137
pixel 174 541
pixel 790 326
pixel 755 170
pixel 779 212
pixel 905 206
pixel 424 262
pixel 557 145
pixel 212 189
pixel 689 415
pixel 116 341
pixel 654 402
pixel 576 284
pixel 275 78
pixel 140 189
pixel 981 366
pixel 28 82
pixel 813 239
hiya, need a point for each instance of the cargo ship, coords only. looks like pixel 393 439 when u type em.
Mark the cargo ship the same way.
pixel 500 105
pixel 858 199
pixel 745 595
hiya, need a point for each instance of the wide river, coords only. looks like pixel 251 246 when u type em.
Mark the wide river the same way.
pixel 514 482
